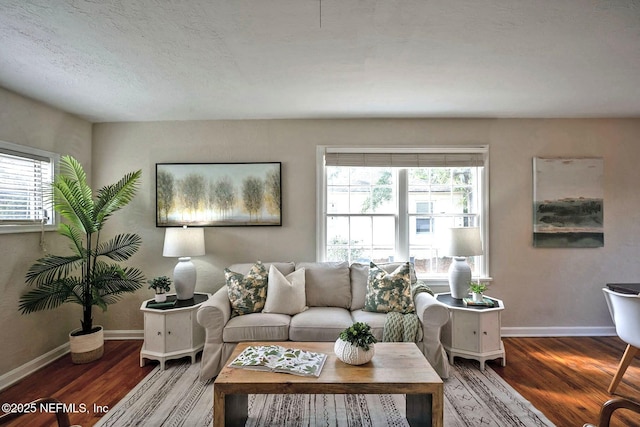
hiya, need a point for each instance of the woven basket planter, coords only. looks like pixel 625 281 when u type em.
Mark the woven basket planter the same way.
pixel 86 348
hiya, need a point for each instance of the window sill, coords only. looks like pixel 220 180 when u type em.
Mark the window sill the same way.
pixel 13 229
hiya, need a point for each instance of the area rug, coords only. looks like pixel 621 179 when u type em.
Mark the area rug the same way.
pixel 175 397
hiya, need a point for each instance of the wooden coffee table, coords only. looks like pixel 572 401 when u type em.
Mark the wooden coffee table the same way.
pixel 396 368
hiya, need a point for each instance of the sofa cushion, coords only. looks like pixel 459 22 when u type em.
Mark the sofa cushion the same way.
pixel 359 274
pixel 375 320
pixel 247 293
pixel 257 327
pixel 327 284
pixel 319 324
pixel 389 291
pixel 285 294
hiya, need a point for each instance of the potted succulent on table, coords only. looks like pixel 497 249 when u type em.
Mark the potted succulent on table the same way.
pixel 91 274
pixel 355 344
pixel 477 289
pixel 161 285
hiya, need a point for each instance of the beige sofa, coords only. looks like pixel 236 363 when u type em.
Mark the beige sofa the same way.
pixel 335 295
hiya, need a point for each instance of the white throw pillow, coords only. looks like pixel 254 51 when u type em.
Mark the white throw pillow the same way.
pixel 285 295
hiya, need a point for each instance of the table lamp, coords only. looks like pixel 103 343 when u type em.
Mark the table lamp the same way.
pixel 184 243
pixel 463 242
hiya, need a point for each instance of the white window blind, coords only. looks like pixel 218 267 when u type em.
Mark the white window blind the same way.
pixel 403 160
pixel 25 179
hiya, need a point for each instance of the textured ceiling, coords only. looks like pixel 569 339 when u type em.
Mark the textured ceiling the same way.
pixel 140 60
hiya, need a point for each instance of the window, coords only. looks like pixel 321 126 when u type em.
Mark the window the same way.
pixel 380 205
pixel 25 178
pixel 424 225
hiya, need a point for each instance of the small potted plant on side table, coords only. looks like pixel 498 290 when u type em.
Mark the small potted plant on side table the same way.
pixel 355 344
pixel 161 286
pixel 477 289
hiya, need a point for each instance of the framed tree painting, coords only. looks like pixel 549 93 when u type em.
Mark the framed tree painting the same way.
pixel 568 202
pixel 218 194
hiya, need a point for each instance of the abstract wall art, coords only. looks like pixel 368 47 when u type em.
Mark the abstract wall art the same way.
pixel 568 202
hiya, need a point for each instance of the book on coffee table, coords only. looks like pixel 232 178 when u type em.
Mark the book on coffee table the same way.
pixel 276 358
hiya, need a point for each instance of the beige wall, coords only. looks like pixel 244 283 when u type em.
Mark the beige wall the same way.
pixel 556 290
pixel 543 289
pixel 26 337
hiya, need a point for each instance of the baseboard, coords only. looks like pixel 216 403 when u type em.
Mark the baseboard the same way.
pixel 28 368
pixel 560 331
pixel 124 335
pixel 15 375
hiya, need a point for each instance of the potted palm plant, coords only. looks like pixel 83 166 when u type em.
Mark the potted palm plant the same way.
pixel 90 275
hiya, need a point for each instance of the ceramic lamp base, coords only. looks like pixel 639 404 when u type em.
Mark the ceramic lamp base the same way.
pixel 184 278
pixel 459 277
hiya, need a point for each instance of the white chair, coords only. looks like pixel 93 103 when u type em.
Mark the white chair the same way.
pixel 625 312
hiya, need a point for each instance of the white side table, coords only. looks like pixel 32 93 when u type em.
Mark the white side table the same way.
pixel 473 332
pixel 172 332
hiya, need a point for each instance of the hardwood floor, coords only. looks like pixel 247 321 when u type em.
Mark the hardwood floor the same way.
pixel 565 378
pixel 102 383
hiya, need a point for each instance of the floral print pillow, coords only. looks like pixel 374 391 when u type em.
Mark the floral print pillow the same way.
pixel 387 292
pixel 247 294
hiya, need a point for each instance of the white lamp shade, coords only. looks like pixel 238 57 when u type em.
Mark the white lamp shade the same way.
pixel 183 242
pixel 465 242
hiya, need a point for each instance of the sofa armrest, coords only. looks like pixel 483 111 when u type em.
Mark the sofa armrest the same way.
pixel 431 311
pixel 213 315
pixel 216 311
pixel 433 316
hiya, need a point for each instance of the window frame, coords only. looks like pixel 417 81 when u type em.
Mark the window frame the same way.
pixel 30 152
pixel 402 244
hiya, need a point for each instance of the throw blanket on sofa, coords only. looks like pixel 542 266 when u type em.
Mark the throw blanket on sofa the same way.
pixel 400 327
pixel 418 287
